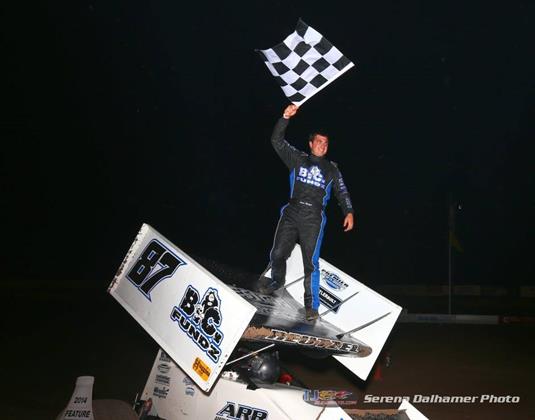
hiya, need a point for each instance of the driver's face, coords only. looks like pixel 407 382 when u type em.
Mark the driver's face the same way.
pixel 319 145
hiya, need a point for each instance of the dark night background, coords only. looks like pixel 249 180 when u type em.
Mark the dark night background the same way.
pixel 119 113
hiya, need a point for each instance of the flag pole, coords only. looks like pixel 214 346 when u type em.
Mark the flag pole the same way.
pixel 450 233
pixel 449 277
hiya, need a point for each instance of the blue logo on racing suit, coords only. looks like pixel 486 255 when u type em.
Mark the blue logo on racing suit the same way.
pixel 311 176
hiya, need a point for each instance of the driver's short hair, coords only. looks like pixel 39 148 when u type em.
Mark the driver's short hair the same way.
pixel 316 133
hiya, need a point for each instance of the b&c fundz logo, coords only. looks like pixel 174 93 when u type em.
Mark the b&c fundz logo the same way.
pixel 200 319
pixel 156 263
pixel 241 412
pixel 311 176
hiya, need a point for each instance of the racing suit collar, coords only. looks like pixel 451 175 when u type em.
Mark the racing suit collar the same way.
pixel 315 158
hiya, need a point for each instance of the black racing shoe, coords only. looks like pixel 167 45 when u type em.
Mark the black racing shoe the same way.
pixel 268 288
pixel 311 314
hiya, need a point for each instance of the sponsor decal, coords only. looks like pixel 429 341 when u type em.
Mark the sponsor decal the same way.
pixel 156 263
pixel 316 342
pixel 189 387
pixel 160 392
pixel 341 185
pixel 333 280
pixel 163 368
pixel 329 397
pixel 240 412
pixel 311 176
pixel 163 380
pixel 201 368
pixel 164 357
pixel 200 318
pixel 329 300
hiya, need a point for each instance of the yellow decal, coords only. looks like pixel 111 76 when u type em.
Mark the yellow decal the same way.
pixel 201 368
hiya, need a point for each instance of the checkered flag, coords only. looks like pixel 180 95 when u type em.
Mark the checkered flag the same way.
pixel 304 63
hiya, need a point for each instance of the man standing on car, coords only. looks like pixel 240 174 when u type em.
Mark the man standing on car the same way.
pixel 312 178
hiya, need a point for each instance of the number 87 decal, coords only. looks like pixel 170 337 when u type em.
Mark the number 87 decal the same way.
pixel 155 264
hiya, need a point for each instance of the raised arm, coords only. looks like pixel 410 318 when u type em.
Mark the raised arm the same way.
pixel 285 150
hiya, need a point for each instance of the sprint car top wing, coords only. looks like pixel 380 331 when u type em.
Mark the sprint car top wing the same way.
pixel 357 310
pixel 194 317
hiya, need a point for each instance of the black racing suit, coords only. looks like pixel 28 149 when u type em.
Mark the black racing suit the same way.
pixel 303 219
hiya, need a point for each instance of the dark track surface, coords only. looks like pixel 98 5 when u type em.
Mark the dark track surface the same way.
pixel 51 336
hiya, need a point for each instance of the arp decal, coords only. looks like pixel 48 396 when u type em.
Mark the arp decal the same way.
pixel 200 318
pixel 155 264
pixel 240 412
pixel 333 280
